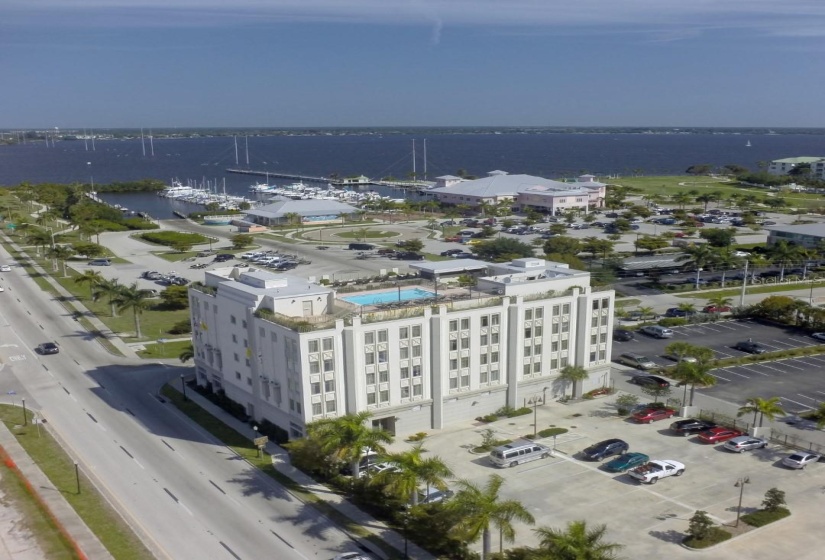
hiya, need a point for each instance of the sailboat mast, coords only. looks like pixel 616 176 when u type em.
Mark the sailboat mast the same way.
pixel 152 142
pixel 246 138
pixel 236 149
pixel 85 140
pixel 142 142
pixel 93 141
pixel 413 159
pixel 425 159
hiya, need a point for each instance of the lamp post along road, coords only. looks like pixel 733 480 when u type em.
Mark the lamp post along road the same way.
pixel 741 485
pixel 25 420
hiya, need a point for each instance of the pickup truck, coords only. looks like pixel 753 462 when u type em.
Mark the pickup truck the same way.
pixel 654 470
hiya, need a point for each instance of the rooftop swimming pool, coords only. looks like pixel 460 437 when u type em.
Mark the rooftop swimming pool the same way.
pixel 389 297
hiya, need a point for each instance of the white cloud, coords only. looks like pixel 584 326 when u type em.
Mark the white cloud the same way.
pixel 670 18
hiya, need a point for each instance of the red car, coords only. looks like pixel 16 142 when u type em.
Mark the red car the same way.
pixel 716 309
pixel 649 415
pixel 719 434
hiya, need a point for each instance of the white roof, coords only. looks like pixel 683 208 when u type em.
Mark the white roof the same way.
pixel 499 184
pixel 312 207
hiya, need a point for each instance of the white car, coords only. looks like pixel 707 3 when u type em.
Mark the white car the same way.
pixel 354 556
pixel 1 289
pixel 741 254
pixel 819 336
pixel 5 268
pixel 654 470
pixel 800 459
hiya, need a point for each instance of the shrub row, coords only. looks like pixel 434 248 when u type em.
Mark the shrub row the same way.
pixel 170 238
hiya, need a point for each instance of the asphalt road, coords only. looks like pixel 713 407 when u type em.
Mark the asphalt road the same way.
pixel 186 495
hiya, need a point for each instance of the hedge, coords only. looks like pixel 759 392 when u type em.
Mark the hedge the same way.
pixel 170 238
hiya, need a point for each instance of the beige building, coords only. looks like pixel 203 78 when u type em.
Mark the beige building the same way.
pixel 292 351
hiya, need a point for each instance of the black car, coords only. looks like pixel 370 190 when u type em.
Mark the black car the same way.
pixel 750 347
pixel 606 448
pixel 408 256
pixel 623 335
pixel 650 381
pixel 675 311
pixel 223 257
pixel 691 426
pixel 47 348
pixel 451 252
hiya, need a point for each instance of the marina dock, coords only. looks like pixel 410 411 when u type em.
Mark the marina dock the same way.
pixel 336 181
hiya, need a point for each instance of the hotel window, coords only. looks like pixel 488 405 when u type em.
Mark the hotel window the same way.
pixel 316 388
pixel 537 367
pixel 465 324
pixel 564 344
pixel 565 326
pixel 416 331
pixel 454 383
pixel 483 359
pixel 237 358
pixel 537 331
pixel 603 338
pixel 314 367
pixel 554 346
pixel 594 322
pixel 330 406
pixel 243 323
pixel 494 376
pixel 404 352
pixel 595 305
pixel 528 332
pixel 465 343
pixel 329 386
pixel 483 339
pixel 382 336
pixel 405 372
pixel 592 356
pixel 383 376
pixel 237 375
pixel 528 314
pixel 453 345
pixel 527 351
pixel 527 369
pixel 384 396
pixel 539 313
pixel 484 377
pixel 370 379
pixel 416 371
pixel 485 320
pixel 417 351
pixel 327 344
pixel 605 303
pixel 453 363
pixel 404 332
pixel 555 329
pixel 328 364
pixel 317 409
pixel 369 338
pixel 453 326
pixel 382 356
pixel 465 380
pixel 417 390
pixel 312 346
pixel 369 358
pixel 493 357
pixel 495 319
pixel 602 355
pixel 565 309
pixel 594 338
pixel 554 364
pixel 465 362
pixel 235 338
pixel 555 310
pixel 405 392
pixel 232 319
pixel 494 338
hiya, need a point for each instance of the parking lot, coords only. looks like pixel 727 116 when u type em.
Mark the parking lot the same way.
pixel 798 381
pixel 642 517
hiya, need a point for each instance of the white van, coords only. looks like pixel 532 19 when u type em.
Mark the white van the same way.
pixel 517 452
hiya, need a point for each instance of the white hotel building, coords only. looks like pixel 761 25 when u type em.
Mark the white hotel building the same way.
pixel 292 351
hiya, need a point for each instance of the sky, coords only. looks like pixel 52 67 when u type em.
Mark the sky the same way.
pixel 324 63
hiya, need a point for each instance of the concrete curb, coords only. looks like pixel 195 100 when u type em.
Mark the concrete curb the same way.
pixel 737 537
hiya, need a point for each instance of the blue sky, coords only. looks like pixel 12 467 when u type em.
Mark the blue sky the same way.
pixel 162 63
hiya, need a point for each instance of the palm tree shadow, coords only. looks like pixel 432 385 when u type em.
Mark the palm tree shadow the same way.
pixel 671 536
pixel 254 483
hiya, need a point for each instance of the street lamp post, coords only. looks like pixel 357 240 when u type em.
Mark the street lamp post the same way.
pixel 183 387
pixel 741 485
pixel 25 420
pixel 258 447
pixel 77 476
pixel 534 400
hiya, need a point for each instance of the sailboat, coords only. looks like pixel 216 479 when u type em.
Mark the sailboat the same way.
pixel 748 145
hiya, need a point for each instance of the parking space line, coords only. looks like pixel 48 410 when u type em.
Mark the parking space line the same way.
pixel 726 326
pixel 720 377
pixel 795 402
pixel 786 364
pixel 730 370
pixel 766 366
pixel 813 359
pixel 724 355
pixel 754 371
pixel 784 343
pixel 807 397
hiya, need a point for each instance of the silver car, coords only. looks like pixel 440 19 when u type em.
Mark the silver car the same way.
pixel 745 443
pixel 800 459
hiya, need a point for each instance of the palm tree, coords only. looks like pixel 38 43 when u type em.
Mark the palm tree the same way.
pixel 573 375
pixel 62 253
pixel 726 260
pixel 134 298
pixel 345 438
pixel 784 254
pixel 481 508
pixel 688 308
pixel 576 543
pixel 412 470
pixel 719 301
pixel 109 288
pixel 694 373
pixel 39 238
pixel 681 198
pixel 700 255
pixel 763 407
pixel 90 277
pixel 187 354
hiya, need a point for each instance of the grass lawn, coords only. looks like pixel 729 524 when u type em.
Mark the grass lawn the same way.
pixel 756 289
pixel 95 510
pixel 367 234
pixel 154 322
pixel 171 349
pixel 174 256
pixel 434 257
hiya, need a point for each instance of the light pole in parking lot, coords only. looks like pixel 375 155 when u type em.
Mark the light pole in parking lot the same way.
pixel 741 485
pixel 535 400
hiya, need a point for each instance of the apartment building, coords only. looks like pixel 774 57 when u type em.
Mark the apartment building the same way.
pixel 418 356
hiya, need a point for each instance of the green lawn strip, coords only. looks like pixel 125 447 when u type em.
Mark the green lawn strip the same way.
pixel 93 508
pixel 766 357
pixel 153 322
pixel 173 256
pixel 244 447
pixel 627 302
pixel 762 517
pixel 367 234
pixel 715 536
pixel 434 257
pixel 278 238
pixel 759 289
pixel 166 350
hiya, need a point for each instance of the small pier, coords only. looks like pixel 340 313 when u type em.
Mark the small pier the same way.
pixel 307 178
pixel 410 185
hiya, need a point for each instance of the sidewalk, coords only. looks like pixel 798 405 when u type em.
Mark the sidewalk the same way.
pixel 64 516
pixel 70 301
pixel 280 459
